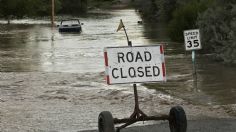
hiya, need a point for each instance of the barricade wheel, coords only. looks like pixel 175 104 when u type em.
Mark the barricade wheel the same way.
pixel 177 119
pixel 105 122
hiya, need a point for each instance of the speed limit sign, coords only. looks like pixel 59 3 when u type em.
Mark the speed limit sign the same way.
pixel 192 39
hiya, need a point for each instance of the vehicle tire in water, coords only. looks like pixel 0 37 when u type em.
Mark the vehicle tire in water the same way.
pixel 177 119
pixel 105 122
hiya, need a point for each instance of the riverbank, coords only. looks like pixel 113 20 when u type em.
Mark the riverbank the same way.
pixel 41 101
pixel 115 4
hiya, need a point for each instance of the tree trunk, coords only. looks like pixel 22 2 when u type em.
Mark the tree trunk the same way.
pixel 8 21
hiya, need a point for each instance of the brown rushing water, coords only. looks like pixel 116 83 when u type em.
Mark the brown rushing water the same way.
pixel 55 82
pixel 27 45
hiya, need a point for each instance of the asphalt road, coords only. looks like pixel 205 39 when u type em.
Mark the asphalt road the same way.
pixel 209 125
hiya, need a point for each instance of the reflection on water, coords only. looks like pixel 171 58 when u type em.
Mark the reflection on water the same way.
pixel 36 47
pixel 217 80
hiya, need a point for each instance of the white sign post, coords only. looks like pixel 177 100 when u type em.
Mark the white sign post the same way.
pixel 136 64
pixel 192 42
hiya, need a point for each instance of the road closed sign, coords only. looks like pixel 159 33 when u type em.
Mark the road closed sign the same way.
pixel 192 39
pixel 134 64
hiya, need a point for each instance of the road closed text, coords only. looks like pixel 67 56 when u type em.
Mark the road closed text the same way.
pixel 134 64
pixel 148 71
pixel 132 72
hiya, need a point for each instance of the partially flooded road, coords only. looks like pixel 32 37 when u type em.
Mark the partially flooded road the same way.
pixel 46 101
pixel 55 82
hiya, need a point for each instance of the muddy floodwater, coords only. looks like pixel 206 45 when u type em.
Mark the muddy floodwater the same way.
pixel 51 81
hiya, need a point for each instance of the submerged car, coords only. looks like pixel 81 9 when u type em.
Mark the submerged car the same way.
pixel 72 25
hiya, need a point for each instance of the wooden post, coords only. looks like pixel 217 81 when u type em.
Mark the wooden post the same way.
pixel 53 13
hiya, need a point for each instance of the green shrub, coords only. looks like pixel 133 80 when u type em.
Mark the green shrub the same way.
pixel 218 26
pixel 185 17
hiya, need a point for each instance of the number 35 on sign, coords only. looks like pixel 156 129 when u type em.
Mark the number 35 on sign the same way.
pixel 192 39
